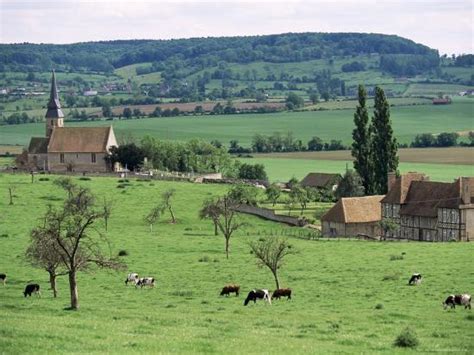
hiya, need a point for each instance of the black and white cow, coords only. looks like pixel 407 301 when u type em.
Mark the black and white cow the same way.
pixel 415 279
pixel 3 278
pixel 258 294
pixel 460 300
pixel 146 281
pixel 32 288
pixel 132 277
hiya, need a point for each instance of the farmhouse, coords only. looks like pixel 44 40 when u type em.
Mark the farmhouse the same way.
pixel 429 211
pixel 321 181
pixel 352 216
pixel 69 148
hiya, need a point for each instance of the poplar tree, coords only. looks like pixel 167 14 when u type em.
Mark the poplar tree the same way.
pixel 384 144
pixel 361 145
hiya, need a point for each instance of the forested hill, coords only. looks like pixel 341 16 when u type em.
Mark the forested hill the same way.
pixel 181 57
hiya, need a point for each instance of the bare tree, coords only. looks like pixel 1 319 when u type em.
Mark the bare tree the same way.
pixel 11 191
pixel 223 213
pixel 210 210
pixel 67 184
pixel 270 252
pixel 107 210
pixel 41 253
pixel 153 216
pixel 70 231
pixel 167 199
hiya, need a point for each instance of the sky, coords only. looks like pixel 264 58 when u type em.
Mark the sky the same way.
pixel 446 25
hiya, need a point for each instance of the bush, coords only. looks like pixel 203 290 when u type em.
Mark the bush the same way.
pixel 123 253
pixel 84 178
pixel 121 186
pixel 204 259
pixel 123 180
pixel 407 339
pixel 396 257
pixel 379 306
pixel 43 179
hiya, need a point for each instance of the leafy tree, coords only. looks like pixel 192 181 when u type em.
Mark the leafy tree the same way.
pixel 273 193
pixel 384 144
pixel 252 172
pixel 361 145
pixel 68 229
pixel 244 194
pixel 315 144
pixel 423 140
pixel 299 194
pixel 350 185
pixel 294 101
pixel 271 252
pixel 128 155
pixel 127 113
pixel 210 210
pixel 106 110
pixel 446 139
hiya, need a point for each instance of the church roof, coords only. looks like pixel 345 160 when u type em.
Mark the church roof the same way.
pixel 38 145
pixel 320 180
pixel 54 106
pixel 79 140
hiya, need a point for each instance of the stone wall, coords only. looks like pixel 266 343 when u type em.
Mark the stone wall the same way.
pixel 270 215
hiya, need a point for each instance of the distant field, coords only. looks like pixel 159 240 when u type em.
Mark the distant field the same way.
pixel 285 169
pixel 435 89
pixel 337 124
pixel 457 155
pixel 351 104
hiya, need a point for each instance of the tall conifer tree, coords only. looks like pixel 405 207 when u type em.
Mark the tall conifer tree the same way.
pixel 361 145
pixel 384 144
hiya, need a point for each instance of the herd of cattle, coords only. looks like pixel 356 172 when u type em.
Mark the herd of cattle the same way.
pixel 256 294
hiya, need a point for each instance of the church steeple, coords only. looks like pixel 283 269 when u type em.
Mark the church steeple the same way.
pixel 54 115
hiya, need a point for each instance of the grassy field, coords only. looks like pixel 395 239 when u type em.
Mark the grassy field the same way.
pixel 336 284
pixel 281 169
pixel 338 124
pixel 454 155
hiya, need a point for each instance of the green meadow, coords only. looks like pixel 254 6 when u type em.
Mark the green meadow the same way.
pixel 332 124
pixel 348 296
pixel 281 169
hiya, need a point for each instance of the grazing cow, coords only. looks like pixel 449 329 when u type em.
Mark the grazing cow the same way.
pixel 3 278
pixel 146 281
pixel 228 289
pixel 415 279
pixel 132 277
pixel 32 288
pixel 258 294
pixel 460 300
pixel 282 292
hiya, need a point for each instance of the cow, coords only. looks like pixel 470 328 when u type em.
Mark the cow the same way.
pixel 258 294
pixel 282 292
pixel 32 288
pixel 228 289
pixel 460 300
pixel 146 281
pixel 415 279
pixel 132 277
pixel 3 278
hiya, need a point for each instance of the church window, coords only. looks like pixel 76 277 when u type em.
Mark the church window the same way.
pixel 61 158
pixel 93 158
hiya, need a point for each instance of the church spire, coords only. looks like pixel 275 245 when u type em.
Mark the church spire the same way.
pixel 54 106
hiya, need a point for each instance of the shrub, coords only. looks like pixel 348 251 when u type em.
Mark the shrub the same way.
pixel 379 306
pixel 396 257
pixel 123 253
pixel 121 186
pixel 84 178
pixel 204 259
pixel 407 339
pixel 43 179
pixel 123 180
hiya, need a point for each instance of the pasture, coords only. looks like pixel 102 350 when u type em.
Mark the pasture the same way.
pixel 348 296
pixel 336 124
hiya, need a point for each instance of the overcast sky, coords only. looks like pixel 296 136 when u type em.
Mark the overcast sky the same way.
pixel 446 25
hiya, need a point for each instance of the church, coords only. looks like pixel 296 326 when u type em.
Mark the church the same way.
pixel 75 149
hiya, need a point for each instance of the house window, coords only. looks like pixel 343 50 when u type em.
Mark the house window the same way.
pixel 61 158
pixel 93 158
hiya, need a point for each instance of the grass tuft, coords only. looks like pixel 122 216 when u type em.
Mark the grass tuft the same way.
pixel 407 339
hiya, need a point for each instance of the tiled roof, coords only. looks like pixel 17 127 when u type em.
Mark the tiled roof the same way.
pixel 38 145
pixel 320 179
pixel 79 139
pixel 355 210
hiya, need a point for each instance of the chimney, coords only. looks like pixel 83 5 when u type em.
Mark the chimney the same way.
pixel 391 178
pixel 466 189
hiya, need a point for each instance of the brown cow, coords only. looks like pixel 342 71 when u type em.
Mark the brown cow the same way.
pixel 228 289
pixel 282 292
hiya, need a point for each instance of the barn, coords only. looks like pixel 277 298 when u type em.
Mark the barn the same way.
pixel 321 181
pixel 352 216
